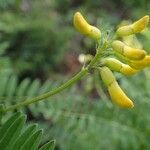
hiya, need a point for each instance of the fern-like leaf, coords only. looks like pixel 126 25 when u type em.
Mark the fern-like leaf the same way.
pixel 13 136
pixel 49 145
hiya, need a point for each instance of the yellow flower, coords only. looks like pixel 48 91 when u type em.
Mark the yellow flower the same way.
pixel 118 66
pixel 136 27
pixel 112 63
pixel 141 24
pixel 125 30
pixel 107 76
pixel 129 52
pixel 83 27
pixel 127 70
pixel 116 93
pixel 141 63
pixel 118 96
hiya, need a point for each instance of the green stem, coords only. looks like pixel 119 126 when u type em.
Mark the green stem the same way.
pixel 77 77
pixel 48 94
pixel 98 55
pixel 94 60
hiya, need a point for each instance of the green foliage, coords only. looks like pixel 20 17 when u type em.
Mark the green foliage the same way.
pixel 14 135
pixel 5 62
pixel 13 91
pixel 33 42
pixel 39 34
pixel 85 122
pixel 80 122
pixel 48 146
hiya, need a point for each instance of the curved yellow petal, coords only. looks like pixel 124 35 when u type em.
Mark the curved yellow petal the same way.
pixel 112 63
pixel 141 63
pixel 134 53
pixel 118 66
pixel 119 97
pixel 127 70
pixel 115 92
pixel 83 27
pixel 125 30
pixel 107 76
pixel 129 52
pixel 136 27
pixel 141 24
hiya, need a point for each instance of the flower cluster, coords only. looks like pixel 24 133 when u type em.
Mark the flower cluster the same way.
pixel 121 57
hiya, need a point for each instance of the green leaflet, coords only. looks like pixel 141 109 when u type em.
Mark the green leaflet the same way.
pixel 33 142
pixel 7 124
pixel 13 135
pixel 48 146
pixel 24 136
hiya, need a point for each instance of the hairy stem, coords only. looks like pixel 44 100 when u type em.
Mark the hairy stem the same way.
pixel 73 80
pixel 48 94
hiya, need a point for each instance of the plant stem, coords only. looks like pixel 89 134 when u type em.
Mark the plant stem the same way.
pixel 94 60
pixel 98 55
pixel 77 77
pixel 48 94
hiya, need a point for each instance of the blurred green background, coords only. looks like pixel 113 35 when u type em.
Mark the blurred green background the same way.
pixel 39 50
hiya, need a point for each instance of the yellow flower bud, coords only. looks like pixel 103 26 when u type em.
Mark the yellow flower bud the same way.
pixel 112 63
pixel 118 66
pixel 127 70
pixel 115 92
pixel 141 63
pixel 125 30
pixel 134 53
pixel 136 27
pixel 129 52
pixel 141 24
pixel 119 97
pixel 83 27
pixel 107 76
